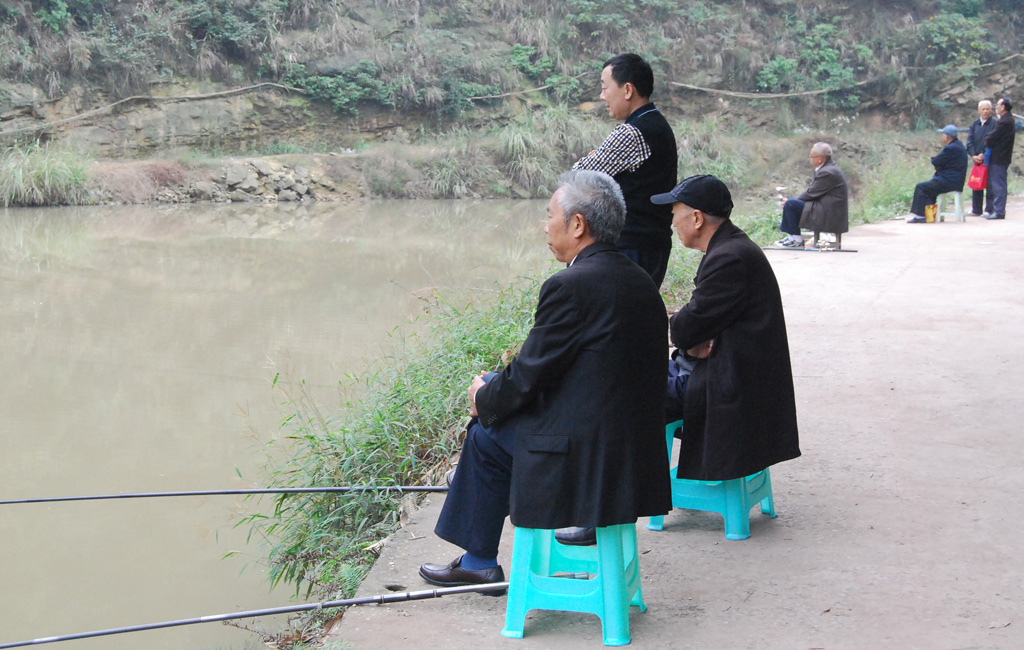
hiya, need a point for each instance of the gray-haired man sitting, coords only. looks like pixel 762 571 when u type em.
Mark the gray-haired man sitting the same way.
pixel 823 207
pixel 567 433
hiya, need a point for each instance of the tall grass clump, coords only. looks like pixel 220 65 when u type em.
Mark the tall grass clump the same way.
pixel 400 431
pixel 526 158
pixel 705 149
pixel 35 174
pixel 889 189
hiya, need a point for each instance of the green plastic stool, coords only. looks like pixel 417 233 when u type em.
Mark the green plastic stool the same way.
pixel 612 584
pixel 732 499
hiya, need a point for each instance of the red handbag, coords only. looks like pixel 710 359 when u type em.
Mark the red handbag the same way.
pixel 978 179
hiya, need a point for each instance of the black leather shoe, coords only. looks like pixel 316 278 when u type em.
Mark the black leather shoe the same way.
pixel 576 536
pixel 453 575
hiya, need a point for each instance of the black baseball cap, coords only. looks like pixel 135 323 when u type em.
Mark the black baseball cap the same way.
pixel 704 192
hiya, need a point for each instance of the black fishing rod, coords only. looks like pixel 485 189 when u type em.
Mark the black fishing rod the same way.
pixel 201 493
pixel 366 600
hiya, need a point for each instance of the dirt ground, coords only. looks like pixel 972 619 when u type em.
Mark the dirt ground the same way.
pixel 900 526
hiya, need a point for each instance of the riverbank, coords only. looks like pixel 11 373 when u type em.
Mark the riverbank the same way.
pixel 891 529
pixel 512 161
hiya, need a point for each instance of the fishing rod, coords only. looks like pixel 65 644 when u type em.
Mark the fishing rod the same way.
pixel 366 600
pixel 199 493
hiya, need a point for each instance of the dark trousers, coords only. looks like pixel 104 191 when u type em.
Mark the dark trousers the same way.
pixel 791 211
pixel 655 262
pixel 978 201
pixel 478 501
pixel 997 189
pixel 679 369
pixel 925 193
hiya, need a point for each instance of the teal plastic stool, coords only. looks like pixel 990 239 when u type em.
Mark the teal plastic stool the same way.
pixel 612 569
pixel 732 499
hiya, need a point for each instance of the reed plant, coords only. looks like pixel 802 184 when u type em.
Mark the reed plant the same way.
pixel 36 175
pixel 404 423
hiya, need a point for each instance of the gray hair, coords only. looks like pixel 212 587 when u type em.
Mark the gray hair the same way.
pixel 597 197
pixel 985 101
pixel 822 149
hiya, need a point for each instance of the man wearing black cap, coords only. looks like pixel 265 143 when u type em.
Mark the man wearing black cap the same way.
pixel 737 400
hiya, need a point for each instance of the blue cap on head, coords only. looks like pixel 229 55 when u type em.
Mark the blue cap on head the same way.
pixel 950 130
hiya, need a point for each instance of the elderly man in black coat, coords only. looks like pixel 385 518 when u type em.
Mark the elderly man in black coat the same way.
pixel 823 207
pixel 734 377
pixel 571 431
pixel 950 173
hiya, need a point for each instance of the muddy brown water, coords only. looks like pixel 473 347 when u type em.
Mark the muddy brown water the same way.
pixel 139 347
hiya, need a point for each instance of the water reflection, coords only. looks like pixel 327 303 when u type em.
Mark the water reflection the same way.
pixel 140 344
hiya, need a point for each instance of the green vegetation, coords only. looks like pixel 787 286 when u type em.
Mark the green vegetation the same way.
pixel 435 55
pixel 357 83
pixel 41 175
pixel 399 431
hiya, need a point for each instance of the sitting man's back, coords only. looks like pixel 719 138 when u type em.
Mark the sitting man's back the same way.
pixel 738 406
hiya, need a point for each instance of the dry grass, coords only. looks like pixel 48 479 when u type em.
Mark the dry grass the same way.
pixel 136 182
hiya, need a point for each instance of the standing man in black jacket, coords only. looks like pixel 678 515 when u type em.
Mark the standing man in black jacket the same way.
pixel 1000 141
pixel 640 154
pixel 980 128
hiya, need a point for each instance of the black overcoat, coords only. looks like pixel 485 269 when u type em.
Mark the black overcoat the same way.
pixel 740 411
pixel 584 399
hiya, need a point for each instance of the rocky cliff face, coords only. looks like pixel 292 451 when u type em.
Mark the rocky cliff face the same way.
pixel 180 119
pixel 177 117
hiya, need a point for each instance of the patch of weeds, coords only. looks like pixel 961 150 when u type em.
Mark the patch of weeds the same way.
pixel 35 175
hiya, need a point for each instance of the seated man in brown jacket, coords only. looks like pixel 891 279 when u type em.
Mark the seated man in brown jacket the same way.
pixel 823 207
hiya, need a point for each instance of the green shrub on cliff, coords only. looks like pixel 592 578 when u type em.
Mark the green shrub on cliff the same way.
pixel 360 82
pixel 436 54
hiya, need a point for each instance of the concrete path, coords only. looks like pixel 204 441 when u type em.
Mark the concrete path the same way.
pixel 901 526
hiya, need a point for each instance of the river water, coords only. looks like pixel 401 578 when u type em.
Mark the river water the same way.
pixel 139 347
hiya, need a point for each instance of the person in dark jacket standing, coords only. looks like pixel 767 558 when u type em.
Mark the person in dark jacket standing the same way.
pixel 1000 141
pixel 980 128
pixel 641 155
pixel 950 173
pixel 568 433
pixel 738 403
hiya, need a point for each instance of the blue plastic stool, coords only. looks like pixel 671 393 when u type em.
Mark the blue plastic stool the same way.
pixel 732 499
pixel 613 582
